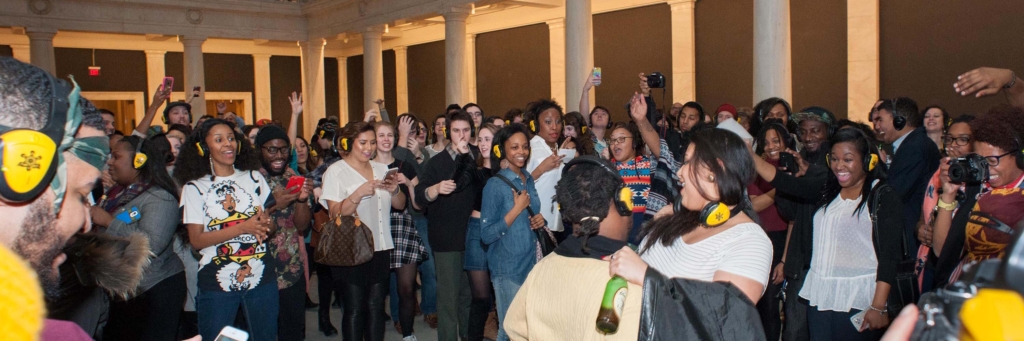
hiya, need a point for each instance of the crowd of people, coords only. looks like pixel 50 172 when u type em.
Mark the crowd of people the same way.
pixel 165 234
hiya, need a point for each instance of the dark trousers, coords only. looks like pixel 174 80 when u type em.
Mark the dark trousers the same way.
pixel 152 315
pixel 453 296
pixel 291 320
pixel 795 328
pixel 836 325
pixel 363 289
pixel 217 309
pixel 770 303
pixel 325 285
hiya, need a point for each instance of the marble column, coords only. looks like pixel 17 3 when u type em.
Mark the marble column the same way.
pixel 470 69
pixel 455 53
pixel 155 73
pixel 40 41
pixel 22 52
pixel 313 89
pixel 862 84
pixel 684 51
pixel 773 69
pixel 373 70
pixel 261 70
pixel 343 90
pixel 401 79
pixel 194 74
pixel 579 51
pixel 556 46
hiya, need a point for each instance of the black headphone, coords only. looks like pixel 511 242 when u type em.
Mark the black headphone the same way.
pixel 898 120
pixel 448 126
pixel 29 157
pixel 624 201
pixel 591 123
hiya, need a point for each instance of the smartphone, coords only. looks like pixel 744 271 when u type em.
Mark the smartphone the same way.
pixel 168 83
pixel 195 91
pixel 391 174
pixel 597 76
pixel 858 320
pixel 787 163
pixel 295 183
pixel 230 333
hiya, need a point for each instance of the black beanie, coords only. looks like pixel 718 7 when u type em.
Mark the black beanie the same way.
pixel 269 133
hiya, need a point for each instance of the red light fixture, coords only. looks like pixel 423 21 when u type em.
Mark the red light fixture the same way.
pixel 94 71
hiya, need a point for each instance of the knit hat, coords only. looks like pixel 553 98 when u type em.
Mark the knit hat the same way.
pixel 815 114
pixel 269 133
pixel 21 304
pixel 726 107
pixel 188 107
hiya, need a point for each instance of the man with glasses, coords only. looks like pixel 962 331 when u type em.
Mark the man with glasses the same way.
pixel 291 211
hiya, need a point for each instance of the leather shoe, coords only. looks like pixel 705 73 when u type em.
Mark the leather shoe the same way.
pixel 327 328
pixel 431 320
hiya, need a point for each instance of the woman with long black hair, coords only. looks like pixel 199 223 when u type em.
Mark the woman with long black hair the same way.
pixel 223 200
pixel 143 200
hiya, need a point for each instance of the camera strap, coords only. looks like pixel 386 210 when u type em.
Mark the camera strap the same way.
pixel 990 221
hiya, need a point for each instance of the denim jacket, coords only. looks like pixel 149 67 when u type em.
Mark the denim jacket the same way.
pixel 512 250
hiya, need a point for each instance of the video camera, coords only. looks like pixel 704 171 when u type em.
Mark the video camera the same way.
pixel 656 80
pixel 971 169
pixel 986 303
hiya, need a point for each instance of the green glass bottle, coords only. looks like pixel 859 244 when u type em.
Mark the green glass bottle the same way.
pixel 611 305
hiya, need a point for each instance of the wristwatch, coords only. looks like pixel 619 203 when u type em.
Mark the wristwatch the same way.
pixel 948 206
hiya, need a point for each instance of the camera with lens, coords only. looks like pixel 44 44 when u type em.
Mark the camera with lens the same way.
pixel 971 169
pixel 656 80
pixel 985 303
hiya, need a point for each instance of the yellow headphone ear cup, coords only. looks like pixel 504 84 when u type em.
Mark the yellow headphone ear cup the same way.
pixel 444 131
pixel 583 130
pixel 718 215
pixel 140 160
pixel 873 162
pixel 344 143
pixel 27 156
pixel 199 147
pixel 626 196
pixel 507 122
pixel 533 127
pixel 322 134
pixel 497 151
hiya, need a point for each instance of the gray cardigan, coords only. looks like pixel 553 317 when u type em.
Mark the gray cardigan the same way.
pixel 159 219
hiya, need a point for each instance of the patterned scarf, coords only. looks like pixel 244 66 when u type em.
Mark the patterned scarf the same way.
pixel 92 150
pixel 118 195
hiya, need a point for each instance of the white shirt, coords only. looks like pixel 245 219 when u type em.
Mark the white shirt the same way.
pixel 742 250
pixel 545 183
pixel 843 265
pixel 340 180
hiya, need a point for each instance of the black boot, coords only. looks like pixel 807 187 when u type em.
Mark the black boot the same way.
pixel 310 305
pixel 326 327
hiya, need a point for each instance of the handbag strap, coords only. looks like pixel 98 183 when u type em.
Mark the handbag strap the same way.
pixel 876 193
pixel 509 183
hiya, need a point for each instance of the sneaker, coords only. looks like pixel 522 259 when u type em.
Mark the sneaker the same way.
pixel 410 338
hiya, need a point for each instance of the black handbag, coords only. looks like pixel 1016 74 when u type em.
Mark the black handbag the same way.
pixel 544 236
pixel 904 290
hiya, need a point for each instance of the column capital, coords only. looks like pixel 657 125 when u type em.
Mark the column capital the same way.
pixel 681 3
pixel 155 53
pixel 373 32
pixel 261 56
pixel 471 37
pixel 456 12
pixel 30 30
pixel 41 34
pixel 400 48
pixel 192 40
pixel 341 59
pixel 556 23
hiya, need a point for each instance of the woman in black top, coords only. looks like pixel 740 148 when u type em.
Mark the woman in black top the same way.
pixel 409 250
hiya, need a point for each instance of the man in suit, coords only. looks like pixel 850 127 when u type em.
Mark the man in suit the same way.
pixel 914 159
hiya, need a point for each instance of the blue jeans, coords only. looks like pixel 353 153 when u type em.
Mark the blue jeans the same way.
pixel 217 309
pixel 428 278
pixel 505 290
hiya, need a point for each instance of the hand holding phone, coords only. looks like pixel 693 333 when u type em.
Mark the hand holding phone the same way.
pixel 167 84
pixel 295 184
pixel 787 163
pixel 597 76
pixel 391 175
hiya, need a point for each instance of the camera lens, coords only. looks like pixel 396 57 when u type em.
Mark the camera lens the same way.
pixel 956 173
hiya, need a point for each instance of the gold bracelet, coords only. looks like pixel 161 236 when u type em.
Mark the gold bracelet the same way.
pixel 948 206
pixel 353 202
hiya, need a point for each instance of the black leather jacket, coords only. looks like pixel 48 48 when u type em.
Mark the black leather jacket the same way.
pixel 684 309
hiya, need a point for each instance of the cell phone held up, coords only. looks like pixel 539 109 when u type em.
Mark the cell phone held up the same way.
pixel 295 184
pixel 597 76
pixel 787 163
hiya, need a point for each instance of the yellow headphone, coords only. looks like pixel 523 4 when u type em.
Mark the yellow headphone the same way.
pixel 201 147
pixel 27 156
pixel 497 151
pixel 343 143
pixel 533 126
pixel 140 157
pixel 715 214
pixel 583 130
pixel 507 122
pixel 870 161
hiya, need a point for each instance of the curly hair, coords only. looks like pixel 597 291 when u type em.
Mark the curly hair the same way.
pixel 535 108
pixel 634 131
pixel 586 190
pixel 191 166
pixel 584 141
pixel 726 157
pixel 1002 127
pixel 154 172
pixel 511 115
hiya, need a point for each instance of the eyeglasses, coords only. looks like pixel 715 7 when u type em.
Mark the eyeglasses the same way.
pixel 994 160
pixel 276 150
pixel 620 139
pixel 960 141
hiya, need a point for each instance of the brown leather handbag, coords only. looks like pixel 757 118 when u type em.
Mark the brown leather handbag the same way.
pixel 344 241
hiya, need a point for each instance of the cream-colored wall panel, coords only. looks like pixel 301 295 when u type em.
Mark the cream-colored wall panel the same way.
pixel 861 8
pixel 862 38
pixel 862 89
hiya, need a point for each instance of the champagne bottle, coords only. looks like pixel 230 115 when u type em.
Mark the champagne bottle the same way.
pixel 611 305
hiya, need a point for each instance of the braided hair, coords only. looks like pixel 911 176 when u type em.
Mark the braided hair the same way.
pixel 584 195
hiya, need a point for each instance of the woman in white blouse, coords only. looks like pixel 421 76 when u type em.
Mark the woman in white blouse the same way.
pixel 726 245
pixel 851 267
pixel 356 186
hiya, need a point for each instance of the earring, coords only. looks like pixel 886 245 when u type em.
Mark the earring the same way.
pixel 711 178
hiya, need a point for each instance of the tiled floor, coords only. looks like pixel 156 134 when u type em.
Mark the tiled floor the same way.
pixel 422 331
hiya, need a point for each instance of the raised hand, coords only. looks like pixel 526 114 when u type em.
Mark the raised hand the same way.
pixel 589 83
pixel 405 126
pixel 983 81
pixel 371 115
pixel 380 103
pixel 644 88
pixel 638 108
pixel 161 95
pixel 222 107
pixel 296 101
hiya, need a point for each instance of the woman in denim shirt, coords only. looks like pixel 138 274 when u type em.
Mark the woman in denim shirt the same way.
pixel 506 222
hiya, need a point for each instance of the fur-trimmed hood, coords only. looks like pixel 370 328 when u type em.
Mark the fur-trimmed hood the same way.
pixel 114 264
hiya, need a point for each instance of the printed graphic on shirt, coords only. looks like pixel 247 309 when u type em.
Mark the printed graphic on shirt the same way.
pixel 993 219
pixel 239 261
